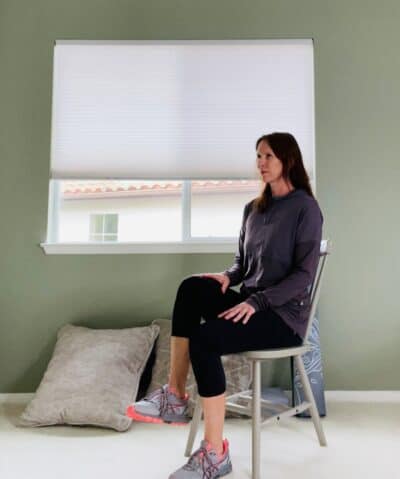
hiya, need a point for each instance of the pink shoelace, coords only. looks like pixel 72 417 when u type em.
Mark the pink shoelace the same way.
pixel 161 396
pixel 201 458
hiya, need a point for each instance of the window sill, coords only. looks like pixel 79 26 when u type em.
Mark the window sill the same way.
pixel 214 246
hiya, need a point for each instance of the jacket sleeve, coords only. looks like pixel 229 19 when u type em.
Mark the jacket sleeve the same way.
pixel 306 255
pixel 236 272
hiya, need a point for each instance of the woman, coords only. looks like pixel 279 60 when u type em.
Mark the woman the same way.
pixel 277 258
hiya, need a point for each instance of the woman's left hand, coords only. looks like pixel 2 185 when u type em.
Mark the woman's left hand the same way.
pixel 238 312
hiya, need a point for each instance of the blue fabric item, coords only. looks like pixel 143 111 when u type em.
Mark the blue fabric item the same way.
pixel 313 366
pixel 274 395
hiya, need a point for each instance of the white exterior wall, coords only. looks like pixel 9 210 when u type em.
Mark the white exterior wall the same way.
pixel 155 218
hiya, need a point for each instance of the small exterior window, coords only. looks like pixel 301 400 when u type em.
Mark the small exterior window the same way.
pixel 103 227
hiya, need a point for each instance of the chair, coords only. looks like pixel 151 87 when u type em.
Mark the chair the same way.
pixel 252 398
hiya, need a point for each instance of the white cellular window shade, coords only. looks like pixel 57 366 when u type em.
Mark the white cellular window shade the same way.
pixel 177 109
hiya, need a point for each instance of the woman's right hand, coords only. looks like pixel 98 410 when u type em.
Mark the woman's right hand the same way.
pixel 220 277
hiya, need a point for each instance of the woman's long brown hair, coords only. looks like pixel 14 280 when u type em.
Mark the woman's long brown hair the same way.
pixel 285 147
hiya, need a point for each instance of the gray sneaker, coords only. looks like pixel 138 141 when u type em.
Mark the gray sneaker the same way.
pixel 160 406
pixel 204 463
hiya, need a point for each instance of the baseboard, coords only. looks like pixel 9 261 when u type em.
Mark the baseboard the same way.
pixel 16 397
pixel 363 396
pixel 337 396
pixel 360 396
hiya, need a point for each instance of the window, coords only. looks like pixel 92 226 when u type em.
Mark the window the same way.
pixel 103 227
pixel 162 134
pixel 149 211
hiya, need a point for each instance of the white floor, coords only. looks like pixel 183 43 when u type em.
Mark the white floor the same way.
pixel 362 430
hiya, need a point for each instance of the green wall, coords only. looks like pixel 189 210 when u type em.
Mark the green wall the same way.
pixel 357 130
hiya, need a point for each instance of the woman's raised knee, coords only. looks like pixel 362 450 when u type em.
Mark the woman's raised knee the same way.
pixel 194 282
pixel 190 280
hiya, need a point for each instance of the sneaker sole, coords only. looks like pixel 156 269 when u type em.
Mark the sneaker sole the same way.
pixel 133 414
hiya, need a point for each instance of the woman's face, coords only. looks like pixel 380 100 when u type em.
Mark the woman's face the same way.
pixel 269 165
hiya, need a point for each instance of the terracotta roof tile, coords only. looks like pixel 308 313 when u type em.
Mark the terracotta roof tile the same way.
pixel 119 188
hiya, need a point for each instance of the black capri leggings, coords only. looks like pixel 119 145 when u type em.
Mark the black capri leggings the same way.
pixel 198 298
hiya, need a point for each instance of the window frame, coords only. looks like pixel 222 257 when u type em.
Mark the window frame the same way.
pixel 188 243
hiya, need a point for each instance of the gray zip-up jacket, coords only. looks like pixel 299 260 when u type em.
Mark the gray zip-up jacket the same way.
pixel 277 256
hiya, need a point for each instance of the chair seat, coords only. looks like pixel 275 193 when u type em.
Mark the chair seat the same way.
pixel 276 352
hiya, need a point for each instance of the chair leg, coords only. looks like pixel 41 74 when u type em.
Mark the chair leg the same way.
pixel 310 398
pixel 292 378
pixel 194 426
pixel 256 415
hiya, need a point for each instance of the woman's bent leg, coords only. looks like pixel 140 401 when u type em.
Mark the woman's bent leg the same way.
pixel 215 338
pixel 179 365
pixel 199 297
pixel 214 416
pixel 265 329
pixel 196 297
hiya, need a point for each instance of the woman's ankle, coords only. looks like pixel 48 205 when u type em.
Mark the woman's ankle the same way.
pixel 179 392
pixel 218 446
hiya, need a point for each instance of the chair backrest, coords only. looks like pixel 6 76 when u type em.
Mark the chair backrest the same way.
pixel 325 250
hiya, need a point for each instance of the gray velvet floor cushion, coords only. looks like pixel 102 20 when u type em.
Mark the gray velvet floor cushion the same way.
pixel 92 377
pixel 237 369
